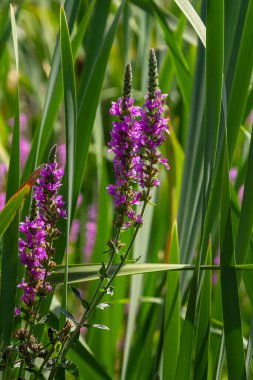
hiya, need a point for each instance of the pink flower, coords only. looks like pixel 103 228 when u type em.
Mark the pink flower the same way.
pixel 240 193
pixel 2 200
pixel 233 174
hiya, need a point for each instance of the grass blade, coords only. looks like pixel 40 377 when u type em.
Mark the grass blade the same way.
pixel 15 202
pixel 214 69
pixel 11 235
pixel 193 18
pixel 246 218
pixel 203 329
pixel 88 104
pixel 230 300
pixel 241 80
pixel 172 314
pixel 69 86
pixel 89 272
pixel 177 57
pixel 52 101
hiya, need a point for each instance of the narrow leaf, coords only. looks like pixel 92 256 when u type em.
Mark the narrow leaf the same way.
pixel 172 314
pixel 16 201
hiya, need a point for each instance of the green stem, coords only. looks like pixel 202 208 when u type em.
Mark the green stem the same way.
pixel 108 266
pixel 44 362
pixel 98 298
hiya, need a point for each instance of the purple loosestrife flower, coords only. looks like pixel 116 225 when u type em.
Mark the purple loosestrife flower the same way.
pixel 46 193
pixel 124 145
pixel 33 254
pixel 154 128
pixel 40 230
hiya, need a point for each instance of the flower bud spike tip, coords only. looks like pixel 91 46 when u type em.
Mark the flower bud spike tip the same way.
pixel 52 154
pixel 128 78
pixel 152 75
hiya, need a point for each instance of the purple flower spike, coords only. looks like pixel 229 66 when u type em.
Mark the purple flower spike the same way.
pixel 39 230
pixel 154 128
pixel 135 139
pixel 125 146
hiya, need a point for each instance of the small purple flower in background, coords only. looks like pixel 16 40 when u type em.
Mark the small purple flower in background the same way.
pixel 25 147
pixel 90 231
pixel 240 194
pixel 79 200
pixel 216 262
pixel 40 230
pixel 3 172
pixel 2 200
pixel 22 121
pixel 62 154
pixel 249 119
pixel 74 230
pixel 233 174
pixel 25 144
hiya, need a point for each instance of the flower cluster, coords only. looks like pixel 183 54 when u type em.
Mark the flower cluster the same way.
pixel 135 139
pixel 124 145
pixel 36 250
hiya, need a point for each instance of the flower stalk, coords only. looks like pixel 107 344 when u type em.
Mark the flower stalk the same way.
pixel 135 138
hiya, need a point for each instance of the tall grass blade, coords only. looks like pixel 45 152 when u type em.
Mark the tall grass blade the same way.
pixel 10 239
pixel 177 57
pixel 241 80
pixel 202 351
pixel 171 340
pixel 214 70
pixel 89 102
pixel 52 101
pixel 229 288
pixel 246 218
pixel 193 18
pixel 69 86
pixel 15 202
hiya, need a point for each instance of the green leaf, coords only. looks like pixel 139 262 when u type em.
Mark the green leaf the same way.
pixel 241 81
pixel 71 368
pixel 89 103
pixel 98 326
pixel 246 217
pixel 229 288
pixel 214 70
pixel 69 87
pixel 193 18
pixel 103 305
pixel 177 57
pixel 89 272
pixel 86 362
pixel 67 314
pixel 202 350
pixel 76 293
pixel 249 351
pixel 190 203
pixel 11 235
pixel 15 202
pixel 52 100
pixel 172 313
